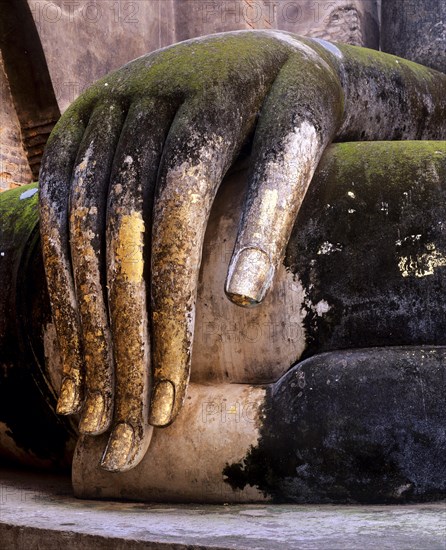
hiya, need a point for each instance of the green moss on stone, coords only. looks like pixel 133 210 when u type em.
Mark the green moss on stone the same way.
pixel 18 216
pixel 394 161
pixel 372 58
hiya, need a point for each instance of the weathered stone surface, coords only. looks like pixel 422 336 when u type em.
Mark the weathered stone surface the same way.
pixel 198 83
pixel 28 79
pixel 366 245
pixel 85 40
pixel 347 93
pixel 39 512
pixel 14 167
pixel 365 255
pixel 353 22
pixel 416 30
pixel 380 436
pixel 117 32
pixel 30 431
pixel 429 256
pixel 185 461
pixel 362 425
pixel 357 425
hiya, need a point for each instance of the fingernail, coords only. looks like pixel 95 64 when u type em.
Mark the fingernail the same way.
pixel 249 277
pixel 119 448
pixel 93 419
pixel 162 403
pixel 68 402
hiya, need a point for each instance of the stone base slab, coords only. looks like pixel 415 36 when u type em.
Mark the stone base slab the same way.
pixel 39 511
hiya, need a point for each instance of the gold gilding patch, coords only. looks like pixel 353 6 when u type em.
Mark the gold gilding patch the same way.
pixel 422 265
pixel 129 253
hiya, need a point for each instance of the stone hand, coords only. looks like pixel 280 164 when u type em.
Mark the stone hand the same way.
pixel 128 179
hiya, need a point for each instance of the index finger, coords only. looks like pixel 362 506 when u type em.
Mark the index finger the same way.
pixel 298 120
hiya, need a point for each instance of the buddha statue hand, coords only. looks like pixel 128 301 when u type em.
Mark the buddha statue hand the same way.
pixel 127 183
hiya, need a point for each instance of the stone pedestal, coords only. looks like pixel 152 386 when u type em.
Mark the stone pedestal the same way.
pixel 40 512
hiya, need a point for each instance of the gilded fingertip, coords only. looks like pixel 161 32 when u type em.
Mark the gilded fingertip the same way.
pixel 69 400
pixel 163 399
pixel 95 419
pixel 249 277
pixel 120 448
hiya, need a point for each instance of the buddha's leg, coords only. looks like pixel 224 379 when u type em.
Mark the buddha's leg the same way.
pixel 366 267
pixel 363 425
pixel 347 426
pixel 30 431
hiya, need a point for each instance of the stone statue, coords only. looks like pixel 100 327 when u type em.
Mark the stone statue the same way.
pixel 364 425
pixel 346 94
pixel 183 116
